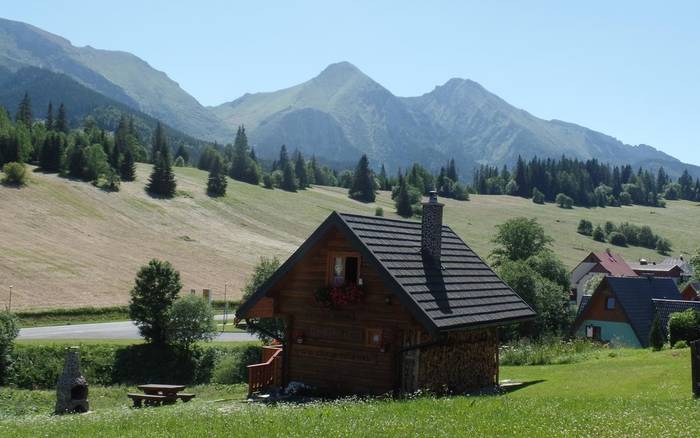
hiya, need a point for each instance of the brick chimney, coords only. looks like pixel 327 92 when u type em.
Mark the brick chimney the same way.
pixel 431 228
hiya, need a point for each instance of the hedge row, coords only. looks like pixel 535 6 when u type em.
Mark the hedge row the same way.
pixel 38 366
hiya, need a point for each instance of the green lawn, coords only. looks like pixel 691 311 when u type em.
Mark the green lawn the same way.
pixel 615 394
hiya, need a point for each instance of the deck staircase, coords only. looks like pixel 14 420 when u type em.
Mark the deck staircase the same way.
pixel 268 374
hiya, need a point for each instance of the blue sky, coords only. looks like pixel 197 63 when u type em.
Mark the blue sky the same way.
pixel 628 69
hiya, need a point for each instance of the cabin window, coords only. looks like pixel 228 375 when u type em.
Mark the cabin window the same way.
pixel 610 303
pixel 345 269
pixel 375 337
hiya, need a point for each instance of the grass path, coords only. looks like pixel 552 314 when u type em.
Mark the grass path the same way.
pixel 617 394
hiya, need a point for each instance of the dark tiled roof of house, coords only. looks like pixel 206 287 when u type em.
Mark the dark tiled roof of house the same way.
pixel 664 308
pixel 615 264
pixel 635 295
pixel 462 292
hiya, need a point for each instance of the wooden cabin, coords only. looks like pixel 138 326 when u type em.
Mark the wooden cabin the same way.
pixel 375 306
pixel 622 309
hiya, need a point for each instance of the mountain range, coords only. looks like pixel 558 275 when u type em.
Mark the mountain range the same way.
pixel 335 116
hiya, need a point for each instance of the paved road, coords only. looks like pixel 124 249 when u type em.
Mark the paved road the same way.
pixel 106 330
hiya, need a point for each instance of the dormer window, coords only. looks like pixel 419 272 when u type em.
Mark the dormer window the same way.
pixel 345 269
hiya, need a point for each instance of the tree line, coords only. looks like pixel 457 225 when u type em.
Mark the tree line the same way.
pixel 586 183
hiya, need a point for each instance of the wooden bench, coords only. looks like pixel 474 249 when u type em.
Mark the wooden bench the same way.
pixel 150 399
pixel 185 397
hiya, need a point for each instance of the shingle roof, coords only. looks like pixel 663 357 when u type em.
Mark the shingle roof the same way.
pixel 635 295
pixel 615 264
pixel 463 292
pixel 664 308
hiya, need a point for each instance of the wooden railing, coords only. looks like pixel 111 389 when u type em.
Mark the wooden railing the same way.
pixel 268 373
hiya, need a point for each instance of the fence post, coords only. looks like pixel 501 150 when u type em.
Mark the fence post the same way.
pixel 695 366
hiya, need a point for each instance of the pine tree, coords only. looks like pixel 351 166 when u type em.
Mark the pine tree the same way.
pixel 24 111
pixel 300 171
pixel 216 183
pixel 62 120
pixel 656 336
pixel 284 158
pixel 49 117
pixel 289 182
pixel 403 200
pixel 51 152
pixel 159 144
pixel 127 168
pixel 253 156
pixel 452 171
pixel 182 152
pixel 362 188
pixel 162 181
pixel 383 179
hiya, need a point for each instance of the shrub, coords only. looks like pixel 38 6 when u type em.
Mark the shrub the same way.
pixel 656 336
pixel 585 227
pixel 684 326
pixel 233 369
pixel 618 239
pixel 663 246
pixel 157 286
pixel 191 321
pixel 609 227
pixel 625 198
pixel 15 174
pixel 38 366
pixel 598 234
pixel 9 329
pixel 268 181
pixel 537 196
pixel 179 162
pixel 379 211
pixel 680 344
pixel 546 352
pixel 564 201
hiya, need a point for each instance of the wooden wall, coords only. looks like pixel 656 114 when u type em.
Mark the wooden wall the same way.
pixel 595 310
pixel 334 355
pixel 467 360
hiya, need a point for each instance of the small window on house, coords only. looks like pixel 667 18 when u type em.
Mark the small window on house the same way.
pixel 345 270
pixel 375 337
pixel 610 303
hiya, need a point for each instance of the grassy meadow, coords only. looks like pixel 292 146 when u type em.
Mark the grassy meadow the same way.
pixel 612 393
pixel 68 244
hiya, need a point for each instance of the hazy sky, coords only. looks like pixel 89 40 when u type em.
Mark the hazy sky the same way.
pixel 628 69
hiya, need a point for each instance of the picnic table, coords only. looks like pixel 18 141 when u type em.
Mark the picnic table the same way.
pixel 155 394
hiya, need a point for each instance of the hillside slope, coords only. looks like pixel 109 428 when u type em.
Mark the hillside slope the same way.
pixel 120 76
pixel 67 243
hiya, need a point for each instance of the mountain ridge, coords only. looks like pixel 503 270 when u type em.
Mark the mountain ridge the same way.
pixel 459 119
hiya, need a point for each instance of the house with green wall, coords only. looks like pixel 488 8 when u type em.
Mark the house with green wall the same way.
pixel 621 311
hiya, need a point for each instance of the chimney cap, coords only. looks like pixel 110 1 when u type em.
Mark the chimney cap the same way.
pixel 433 198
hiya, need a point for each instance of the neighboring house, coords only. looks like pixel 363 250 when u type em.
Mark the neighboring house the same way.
pixel 666 270
pixel 597 263
pixel 427 317
pixel 621 310
pixel 665 308
pixel 691 292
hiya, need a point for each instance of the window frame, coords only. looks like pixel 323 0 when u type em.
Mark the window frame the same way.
pixel 370 334
pixel 330 268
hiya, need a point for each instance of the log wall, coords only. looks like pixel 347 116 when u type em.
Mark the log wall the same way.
pixel 334 354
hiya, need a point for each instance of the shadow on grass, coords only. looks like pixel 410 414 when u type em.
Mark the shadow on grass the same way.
pixel 508 387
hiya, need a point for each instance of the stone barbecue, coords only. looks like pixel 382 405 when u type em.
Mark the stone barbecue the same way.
pixel 71 388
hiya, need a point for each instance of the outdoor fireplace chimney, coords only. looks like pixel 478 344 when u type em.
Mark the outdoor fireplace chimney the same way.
pixel 431 228
pixel 72 388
